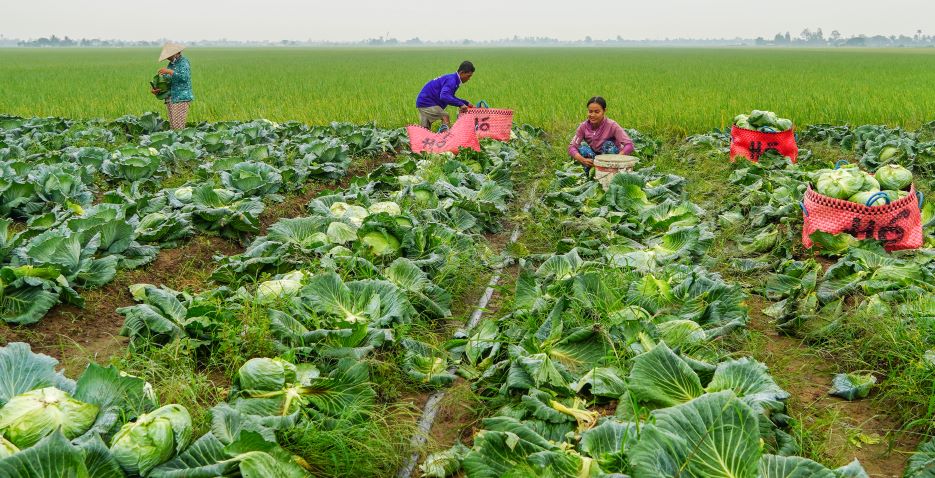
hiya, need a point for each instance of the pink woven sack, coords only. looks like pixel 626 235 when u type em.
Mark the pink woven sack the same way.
pixel 753 144
pixel 490 122
pixel 461 135
pixel 897 224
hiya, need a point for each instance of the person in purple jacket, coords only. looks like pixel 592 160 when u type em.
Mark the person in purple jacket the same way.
pixel 439 93
pixel 598 135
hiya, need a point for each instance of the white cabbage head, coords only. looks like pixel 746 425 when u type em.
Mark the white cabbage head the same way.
pixel 29 417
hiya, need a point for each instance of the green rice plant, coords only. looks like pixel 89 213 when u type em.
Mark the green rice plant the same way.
pixel 669 90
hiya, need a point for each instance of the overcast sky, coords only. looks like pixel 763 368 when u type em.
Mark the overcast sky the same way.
pixel 343 20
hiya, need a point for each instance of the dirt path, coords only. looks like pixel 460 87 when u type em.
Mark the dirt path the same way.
pixel 835 430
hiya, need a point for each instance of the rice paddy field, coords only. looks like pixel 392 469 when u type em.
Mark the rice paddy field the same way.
pixel 283 289
pixel 656 90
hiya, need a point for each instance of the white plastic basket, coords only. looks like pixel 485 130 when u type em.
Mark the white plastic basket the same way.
pixel 608 165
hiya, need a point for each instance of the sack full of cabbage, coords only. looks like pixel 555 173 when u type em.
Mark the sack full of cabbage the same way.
pixel 850 183
pixel 762 121
pixel 849 200
pixel 760 132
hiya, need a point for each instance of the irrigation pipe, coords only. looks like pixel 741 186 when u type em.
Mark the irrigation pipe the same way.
pixel 433 404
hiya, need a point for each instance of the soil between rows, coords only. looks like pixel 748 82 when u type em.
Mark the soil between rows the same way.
pixel 858 429
pixel 75 335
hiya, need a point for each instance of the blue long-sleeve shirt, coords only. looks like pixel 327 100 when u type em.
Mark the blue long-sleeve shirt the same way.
pixel 441 92
pixel 180 83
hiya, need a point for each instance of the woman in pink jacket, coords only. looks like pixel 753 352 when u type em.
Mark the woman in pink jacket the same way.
pixel 598 135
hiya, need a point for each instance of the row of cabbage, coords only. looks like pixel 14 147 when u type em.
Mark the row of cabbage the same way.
pixel 80 200
pixel 352 279
pixel 815 297
pixel 608 363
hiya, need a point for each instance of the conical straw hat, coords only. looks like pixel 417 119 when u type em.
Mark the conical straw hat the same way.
pixel 170 49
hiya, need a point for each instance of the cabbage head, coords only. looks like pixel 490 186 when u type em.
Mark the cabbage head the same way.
pixel 629 313
pixel 286 285
pixel 864 196
pixel 252 178
pixel 152 439
pixel 7 448
pixel 840 183
pixel 888 152
pixel 272 378
pixel 29 417
pixel 388 207
pixel 160 83
pixel 743 121
pixel 894 176
pixel 783 124
pixel 760 120
pixel 870 184
pixel 265 374
pixel 380 242
pixel 354 214
pixel 425 195
pixel 183 194
pixel 341 233
pixel 895 195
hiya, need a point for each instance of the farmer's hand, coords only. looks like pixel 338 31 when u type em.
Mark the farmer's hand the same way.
pixel 585 161
pixel 464 108
pixel 166 71
pixel 155 91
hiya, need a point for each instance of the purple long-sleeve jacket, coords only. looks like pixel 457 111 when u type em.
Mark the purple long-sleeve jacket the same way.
pixel 596 136
pixel 441 92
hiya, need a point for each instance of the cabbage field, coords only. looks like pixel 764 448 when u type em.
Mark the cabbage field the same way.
pixel 283 298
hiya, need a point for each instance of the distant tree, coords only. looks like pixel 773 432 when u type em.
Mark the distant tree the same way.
pixel 859 40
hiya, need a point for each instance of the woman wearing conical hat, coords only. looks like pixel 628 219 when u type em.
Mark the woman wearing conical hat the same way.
pixel 180 84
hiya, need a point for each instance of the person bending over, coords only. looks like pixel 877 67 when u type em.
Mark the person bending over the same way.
pixel 439 94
